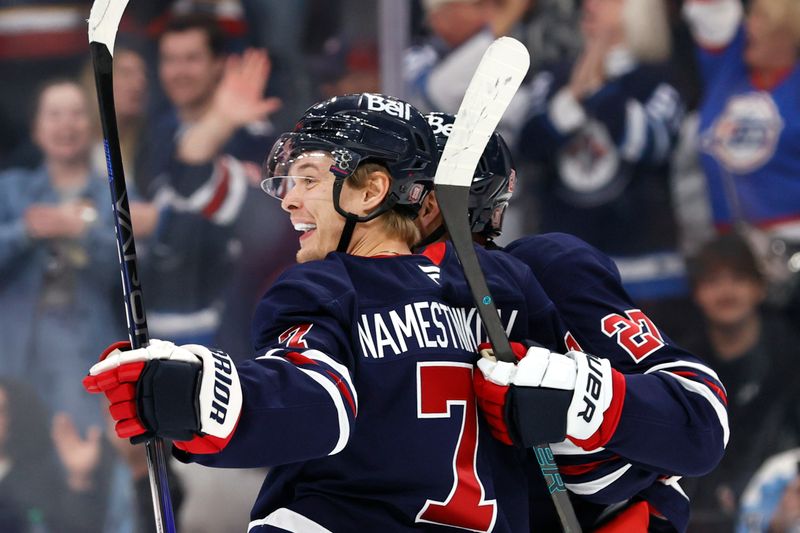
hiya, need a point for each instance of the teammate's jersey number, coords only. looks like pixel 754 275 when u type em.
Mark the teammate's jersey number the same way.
pixel 636 334
pixel 440 387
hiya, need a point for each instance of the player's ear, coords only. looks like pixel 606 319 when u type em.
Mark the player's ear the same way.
pixel 377 187
pixel 429 214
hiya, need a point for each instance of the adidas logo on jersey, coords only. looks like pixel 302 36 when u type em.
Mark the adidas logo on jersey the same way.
pixel 432 271
pixel 395 108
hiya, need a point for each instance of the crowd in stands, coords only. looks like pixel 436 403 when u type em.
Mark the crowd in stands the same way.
pixel 662 132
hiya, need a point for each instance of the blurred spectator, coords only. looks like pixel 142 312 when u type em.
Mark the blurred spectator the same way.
pixel 229 14
pixel 757 356
pixel 130 104
pixel 276 25
pixel 200 158
pixel 107 480
pixel 438 71
pixel 346 68
pixel 30 482
pixel 771 501
pixel 601 132
pixel 749 135
pixel 36 38
pixel 551 32
pixel 58 258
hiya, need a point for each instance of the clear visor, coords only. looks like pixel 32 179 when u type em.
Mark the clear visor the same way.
pixel 299 160
pixel 304 172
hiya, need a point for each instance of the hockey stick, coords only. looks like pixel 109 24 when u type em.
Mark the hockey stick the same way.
pixel 104 19
pixel 491 89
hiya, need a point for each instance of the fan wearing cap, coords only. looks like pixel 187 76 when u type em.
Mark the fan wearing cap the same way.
pixel 359 394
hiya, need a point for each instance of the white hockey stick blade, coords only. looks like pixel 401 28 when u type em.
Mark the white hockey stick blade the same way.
pixel 104 20
pixel 494 84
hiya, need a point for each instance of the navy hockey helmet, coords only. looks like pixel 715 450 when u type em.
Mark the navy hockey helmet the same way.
pixel 363 128
pixel 493 182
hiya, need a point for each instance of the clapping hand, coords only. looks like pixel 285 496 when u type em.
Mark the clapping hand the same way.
pixel 50 221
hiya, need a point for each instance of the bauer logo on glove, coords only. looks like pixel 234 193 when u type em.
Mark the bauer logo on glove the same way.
pixel 547 396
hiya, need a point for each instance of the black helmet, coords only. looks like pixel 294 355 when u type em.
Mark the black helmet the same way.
pixel 493 182
pixel 364 128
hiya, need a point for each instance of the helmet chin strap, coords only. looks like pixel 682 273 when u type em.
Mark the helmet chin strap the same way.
pixel 352 219
pixel 347 233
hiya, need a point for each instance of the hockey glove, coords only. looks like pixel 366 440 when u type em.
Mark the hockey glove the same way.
pixel 188 394
pixel 546 397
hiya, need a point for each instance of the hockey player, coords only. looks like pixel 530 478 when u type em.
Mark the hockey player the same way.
pixel 653 412
pixel 360 395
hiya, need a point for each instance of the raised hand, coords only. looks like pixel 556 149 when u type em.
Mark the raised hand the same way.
pixel 588 74
pixel 79 456
pixel 239 96
pixel 238 101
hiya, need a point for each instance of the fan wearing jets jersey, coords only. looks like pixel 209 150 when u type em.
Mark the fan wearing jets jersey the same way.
pixel 359 394
pixel 652 412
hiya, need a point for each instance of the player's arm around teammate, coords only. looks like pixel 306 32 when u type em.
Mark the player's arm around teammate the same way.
pixel 627 409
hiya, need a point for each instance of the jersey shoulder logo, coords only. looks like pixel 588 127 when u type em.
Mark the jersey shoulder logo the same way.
pixel 432 271
pixel 294 336
pixel 635 333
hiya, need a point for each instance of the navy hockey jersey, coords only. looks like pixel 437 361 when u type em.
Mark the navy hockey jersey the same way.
pixel 360 397
pixel 674 419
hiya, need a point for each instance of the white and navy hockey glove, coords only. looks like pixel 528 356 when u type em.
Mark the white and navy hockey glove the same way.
pixel 188 394
pixel 546 397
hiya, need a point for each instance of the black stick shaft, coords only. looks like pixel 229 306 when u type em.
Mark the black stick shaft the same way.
pixel 453 201
pixel 131 288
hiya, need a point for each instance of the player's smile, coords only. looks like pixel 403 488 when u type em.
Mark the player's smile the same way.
pixel 307 229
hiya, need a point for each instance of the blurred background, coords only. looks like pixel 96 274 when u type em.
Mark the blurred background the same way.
pixel 663 132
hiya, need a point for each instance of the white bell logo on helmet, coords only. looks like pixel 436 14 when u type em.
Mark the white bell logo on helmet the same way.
pixel 395 108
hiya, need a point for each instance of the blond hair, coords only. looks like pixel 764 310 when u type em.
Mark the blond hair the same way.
pixel 647 31
pixel 397 223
